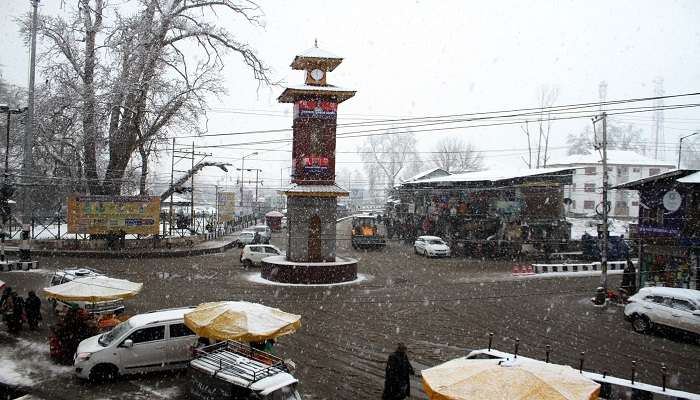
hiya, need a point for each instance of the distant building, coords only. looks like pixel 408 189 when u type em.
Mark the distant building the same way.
pixel 623 166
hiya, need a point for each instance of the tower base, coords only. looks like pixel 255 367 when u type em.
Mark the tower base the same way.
pixel 279 269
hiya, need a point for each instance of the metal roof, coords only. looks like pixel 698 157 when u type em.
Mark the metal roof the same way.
pixel 315 189
pixel 675 173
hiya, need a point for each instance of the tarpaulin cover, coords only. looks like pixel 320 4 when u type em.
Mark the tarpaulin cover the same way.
pixel 513 380
pixel 240 320
pixel 94 289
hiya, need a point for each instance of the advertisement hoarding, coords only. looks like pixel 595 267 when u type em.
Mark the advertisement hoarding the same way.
pixel 99 215
pixel 227 206
pixel 315 109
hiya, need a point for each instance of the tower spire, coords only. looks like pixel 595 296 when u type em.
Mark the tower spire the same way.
pixel 316 42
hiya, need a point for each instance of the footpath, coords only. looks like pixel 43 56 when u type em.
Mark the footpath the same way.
pixel 218 245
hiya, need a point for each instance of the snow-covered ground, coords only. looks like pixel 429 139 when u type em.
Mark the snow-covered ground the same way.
pixel 579 226
pixel 27 363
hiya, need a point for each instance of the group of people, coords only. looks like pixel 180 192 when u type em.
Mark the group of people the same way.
pixel 16 310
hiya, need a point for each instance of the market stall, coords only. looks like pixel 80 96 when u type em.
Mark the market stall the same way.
pixel 273 219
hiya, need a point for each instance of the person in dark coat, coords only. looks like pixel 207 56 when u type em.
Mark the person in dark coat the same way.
pixel 629 278
pixel 32 307
pixel 15 311
pixel 257 239
pixel 397 385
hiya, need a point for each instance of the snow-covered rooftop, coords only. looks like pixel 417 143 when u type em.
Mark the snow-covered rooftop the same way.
pixel 618 157
pixel 692 178
pixel 291 92
pixel 315 189
pixel 315 52
pixel 494 175
pixel 423 174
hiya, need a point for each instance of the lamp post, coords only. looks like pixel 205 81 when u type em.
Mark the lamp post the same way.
pixel 680 146
pixel 255 208
pixel 7 190
pixel 242 169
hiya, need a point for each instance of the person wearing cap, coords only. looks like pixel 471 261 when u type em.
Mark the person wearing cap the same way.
pixel 397 384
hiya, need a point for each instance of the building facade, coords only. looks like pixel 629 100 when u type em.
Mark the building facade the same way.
pixel 669 228
pixel 585 190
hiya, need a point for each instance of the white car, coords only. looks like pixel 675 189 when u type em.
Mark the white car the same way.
pixel 431 246
pixel 253 254
pixel 147 342
pixel 245 237
pixel 671 307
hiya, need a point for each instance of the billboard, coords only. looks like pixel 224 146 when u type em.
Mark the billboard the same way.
pixel 99 215
pixel 315 109
pixel 226 204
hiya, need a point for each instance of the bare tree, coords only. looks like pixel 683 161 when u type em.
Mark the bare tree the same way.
pixel 130 77
pixel 547 96
pixel 454 155
pixel 391 152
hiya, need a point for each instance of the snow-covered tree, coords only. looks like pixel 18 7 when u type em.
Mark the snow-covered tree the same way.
pixel 620 137
pixel 392 152
pixel 132 74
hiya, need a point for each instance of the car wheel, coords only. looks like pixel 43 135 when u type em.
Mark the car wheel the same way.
pixel 641 324
pixel 247 263
pixel 104 373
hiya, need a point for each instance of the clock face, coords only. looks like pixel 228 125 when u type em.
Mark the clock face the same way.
pixel 317 74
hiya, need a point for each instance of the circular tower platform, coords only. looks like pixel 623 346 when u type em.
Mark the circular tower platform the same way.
pixel 279 269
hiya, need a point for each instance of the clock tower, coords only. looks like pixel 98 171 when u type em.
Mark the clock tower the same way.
pixel 312 198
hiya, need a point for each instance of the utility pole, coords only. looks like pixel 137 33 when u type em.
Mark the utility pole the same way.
pixel 172 174
pixel 192 216
pixel 216 196
pixel 25 246
pixel 602 145
pixel 8 188
pixel 257 206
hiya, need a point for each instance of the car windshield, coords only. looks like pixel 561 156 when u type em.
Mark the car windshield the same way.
pixel 260 229
pixel 246 234
pixel 436 241
pixel 109 337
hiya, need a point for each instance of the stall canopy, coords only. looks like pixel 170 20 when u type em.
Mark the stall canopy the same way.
pixel 2 284
pixel 94 289
pixel 274 214
pixel 241 320
pixel 504 379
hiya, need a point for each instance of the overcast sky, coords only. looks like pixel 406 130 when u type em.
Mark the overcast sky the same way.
pixel 444 57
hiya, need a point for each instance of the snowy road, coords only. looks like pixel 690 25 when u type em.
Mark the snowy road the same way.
pixel 439 308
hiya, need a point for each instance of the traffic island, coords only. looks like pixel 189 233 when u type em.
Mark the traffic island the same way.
pixel 279 269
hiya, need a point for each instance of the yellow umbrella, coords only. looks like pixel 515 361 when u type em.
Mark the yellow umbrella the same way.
pixel 94 289
pixel 240 320
pixel 512 380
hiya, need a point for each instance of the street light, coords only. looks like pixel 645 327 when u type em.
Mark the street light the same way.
pixel 242 169
pixel 7 190
pixel 680 146
pixel 257 171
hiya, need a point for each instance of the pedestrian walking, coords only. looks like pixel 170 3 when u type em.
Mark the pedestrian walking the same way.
pixel 13 310
pixel 629 278
pixel 257 238
pixel 32 306
pixel 397 384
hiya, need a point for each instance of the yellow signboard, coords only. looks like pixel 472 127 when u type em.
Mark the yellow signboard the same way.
pixel 98 215
pixel 227 206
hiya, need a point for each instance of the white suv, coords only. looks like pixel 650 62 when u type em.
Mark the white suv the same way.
pixel 431 246
pixel 675 308
pixel 153 341
pixel 253 254
pixel 264 231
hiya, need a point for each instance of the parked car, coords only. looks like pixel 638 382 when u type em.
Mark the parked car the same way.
pixel 670 307
pixel 431 246
pixel 245 237
pixel 264 231
pixel 97 308
pixel 153 341
pixel 253 254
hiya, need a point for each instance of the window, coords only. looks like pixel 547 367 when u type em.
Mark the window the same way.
pixel 256 249
pixel 270 250
pixel 610 169
pixel 635 204
pixel 621 204
pixel 148 334
pixel 636 169
pixel 682 305
pixel 180 330
pixel 573 186
pixel 573 204
pixel 654 171
pixel 590 170
pixel 589 187
pixel 588 204
pixel 622 170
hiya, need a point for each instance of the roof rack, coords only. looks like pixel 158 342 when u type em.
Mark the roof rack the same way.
pixel 221 358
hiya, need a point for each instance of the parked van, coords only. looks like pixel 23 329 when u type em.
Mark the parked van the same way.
pixel 153 341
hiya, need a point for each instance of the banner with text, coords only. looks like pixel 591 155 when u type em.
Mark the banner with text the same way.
pixel 227 206
pixel 98 215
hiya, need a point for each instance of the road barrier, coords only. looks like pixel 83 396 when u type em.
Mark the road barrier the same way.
pixel 7 266
pixel 578 267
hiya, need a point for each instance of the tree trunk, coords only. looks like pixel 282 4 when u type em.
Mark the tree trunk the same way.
pixel 144 170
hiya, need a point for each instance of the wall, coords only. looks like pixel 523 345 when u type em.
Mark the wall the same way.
pixel 299 211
